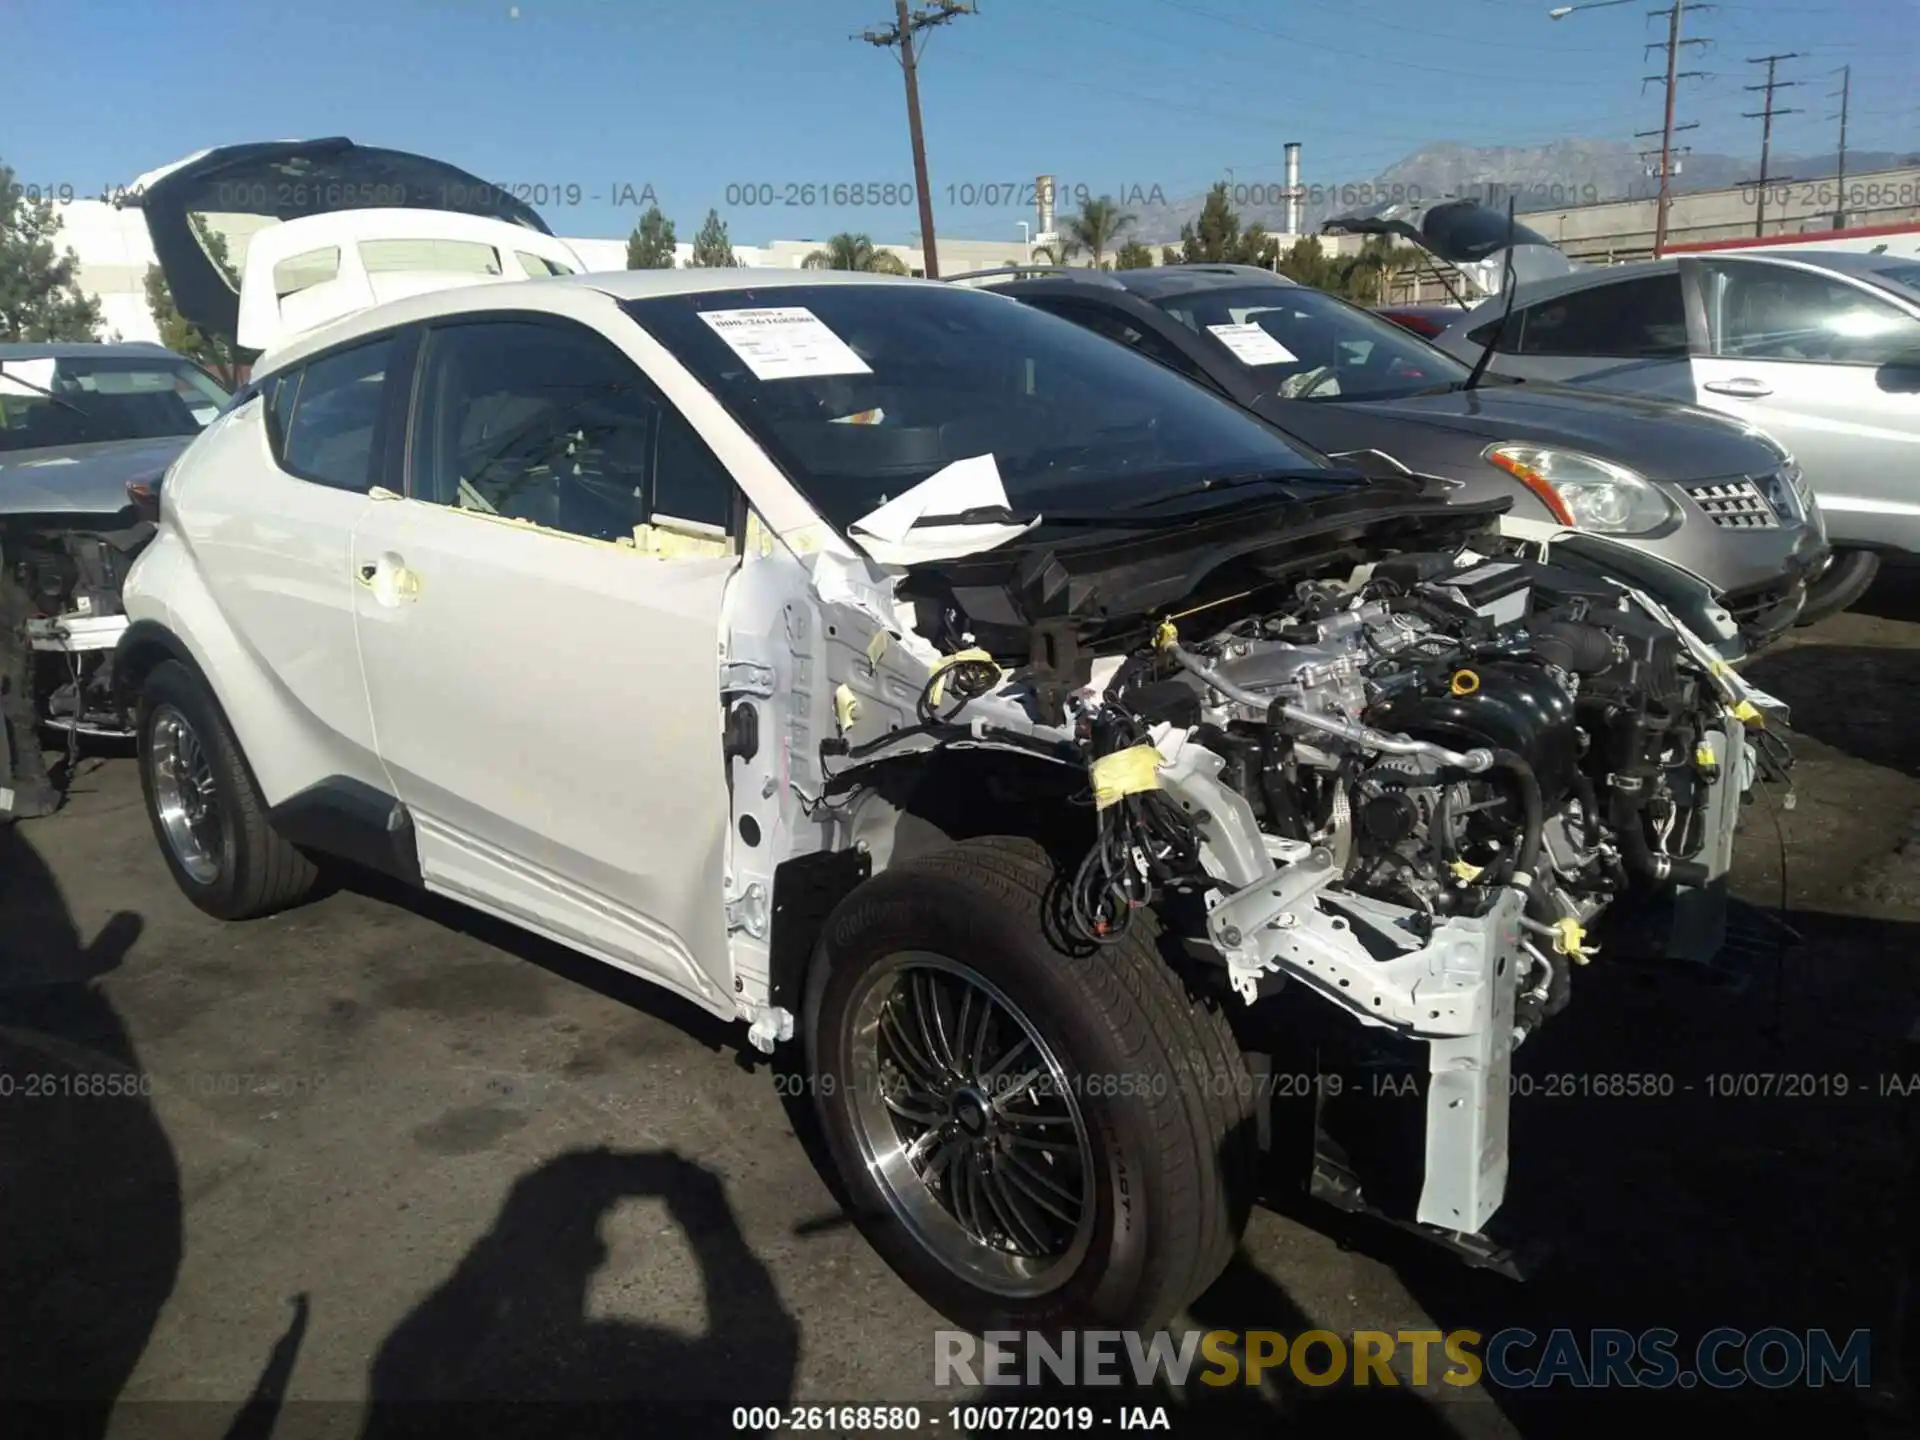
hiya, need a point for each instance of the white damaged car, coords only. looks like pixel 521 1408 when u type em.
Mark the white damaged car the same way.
pixel 936 687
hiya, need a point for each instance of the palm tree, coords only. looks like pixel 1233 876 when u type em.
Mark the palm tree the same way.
pixel 847 251
pixel 1059 251
pixel 1378 264
pixel 1097 226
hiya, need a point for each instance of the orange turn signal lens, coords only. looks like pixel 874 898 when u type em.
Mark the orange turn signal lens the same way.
pixel 1537 483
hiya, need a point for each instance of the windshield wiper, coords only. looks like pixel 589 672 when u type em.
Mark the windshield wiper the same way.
pixel 1256 477
pixel 60 400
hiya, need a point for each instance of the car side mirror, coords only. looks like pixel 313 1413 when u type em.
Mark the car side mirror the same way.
pixel 1901 374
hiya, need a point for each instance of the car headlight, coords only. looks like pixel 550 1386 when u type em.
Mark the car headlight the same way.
pixel 1585 492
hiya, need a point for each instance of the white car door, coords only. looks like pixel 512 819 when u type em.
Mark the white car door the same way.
pixel 268 511
pixel 546 697
pixel 1806 355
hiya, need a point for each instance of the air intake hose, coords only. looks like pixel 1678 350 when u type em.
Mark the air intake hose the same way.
pixel 1579 649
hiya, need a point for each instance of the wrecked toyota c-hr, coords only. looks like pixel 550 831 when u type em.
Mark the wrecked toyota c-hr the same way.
pixel 941 690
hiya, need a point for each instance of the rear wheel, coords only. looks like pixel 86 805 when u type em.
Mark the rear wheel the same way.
pixel 206 810
pixel 1033 1136
pixel 1839 584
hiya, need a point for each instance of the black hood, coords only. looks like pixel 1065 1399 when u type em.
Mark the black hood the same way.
pixel 1105 586
pixel 289 180
pixel 1659 439
pixel 1438 434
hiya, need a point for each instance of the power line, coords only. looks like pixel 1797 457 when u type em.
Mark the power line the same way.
pixel 1765 116
pixel 1840 187
pixel 900 34
pixel 1674 43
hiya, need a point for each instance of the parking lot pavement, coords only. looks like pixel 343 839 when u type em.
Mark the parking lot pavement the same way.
pixel 379 1147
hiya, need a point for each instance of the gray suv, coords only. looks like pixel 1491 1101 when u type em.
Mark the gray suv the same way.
pixel 1708 514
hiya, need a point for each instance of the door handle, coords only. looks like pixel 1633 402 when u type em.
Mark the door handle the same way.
pixel 391 582
pixel 1740 387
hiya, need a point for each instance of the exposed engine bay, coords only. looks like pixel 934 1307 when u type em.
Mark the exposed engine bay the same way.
pixel 1412 779
pixel 1428 736
pixel 60 618
pixel 71 579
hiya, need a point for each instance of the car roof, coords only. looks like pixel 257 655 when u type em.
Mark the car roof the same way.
pixel 644 284
pixel 539 295
pixel 1151 283
pixel 81 350
pixel 1844 262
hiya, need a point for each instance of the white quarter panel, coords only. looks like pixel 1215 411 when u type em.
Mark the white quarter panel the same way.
pixel 548 708
pixel 273 557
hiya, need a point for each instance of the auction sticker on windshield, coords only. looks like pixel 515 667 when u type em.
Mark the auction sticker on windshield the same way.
pixel 1253 346
pixel 785 342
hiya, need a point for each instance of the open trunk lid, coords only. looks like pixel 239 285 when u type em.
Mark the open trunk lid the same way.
pixel 203 213
pixel 1470 237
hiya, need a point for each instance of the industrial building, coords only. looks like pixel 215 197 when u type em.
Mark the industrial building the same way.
pixel 115 252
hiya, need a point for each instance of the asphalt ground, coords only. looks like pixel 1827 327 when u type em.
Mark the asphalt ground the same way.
pixel 265 1179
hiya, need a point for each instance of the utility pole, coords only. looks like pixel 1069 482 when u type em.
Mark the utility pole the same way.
pixel 1765 116
pixel 1674 76
pixel 905 26
pixel 1840 183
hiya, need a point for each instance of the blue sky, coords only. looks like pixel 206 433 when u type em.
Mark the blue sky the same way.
pixel 590 96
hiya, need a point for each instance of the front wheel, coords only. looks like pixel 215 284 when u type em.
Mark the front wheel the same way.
pixel 1838 584
pixel 206 810
pixel 1032 1136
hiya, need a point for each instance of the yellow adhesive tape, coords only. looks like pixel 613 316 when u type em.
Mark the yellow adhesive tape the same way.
pixel 1704 757
pixel 877 646
pixel 1748 713
pixel 1467 871
pixel 1125 772
pixel 846 707
pixel 1572 940
pixel 1166 637
pixel 947 662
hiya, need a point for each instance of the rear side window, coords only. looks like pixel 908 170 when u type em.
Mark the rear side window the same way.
pixel 328 435
pixel 1644 318
pixel 455 257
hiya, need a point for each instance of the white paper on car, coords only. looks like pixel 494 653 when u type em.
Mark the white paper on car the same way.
pixel 1253 346
pixel 784 342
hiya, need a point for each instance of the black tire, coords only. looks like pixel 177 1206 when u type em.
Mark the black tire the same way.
pixel 253 870
pixel 1840 586
pixel 1172 1150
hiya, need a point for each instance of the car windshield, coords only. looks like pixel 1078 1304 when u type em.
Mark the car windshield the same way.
pixel 1310 346
pixel 1902 279
pixel 76 400
pixel 861 391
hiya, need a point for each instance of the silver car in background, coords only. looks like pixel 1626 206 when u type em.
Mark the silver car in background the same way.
pixel 1818 349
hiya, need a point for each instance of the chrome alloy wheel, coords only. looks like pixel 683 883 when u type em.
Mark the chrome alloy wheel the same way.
pixel 183 795
pixel 969 1124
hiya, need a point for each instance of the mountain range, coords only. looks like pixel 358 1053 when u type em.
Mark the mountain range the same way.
pixel 1540 177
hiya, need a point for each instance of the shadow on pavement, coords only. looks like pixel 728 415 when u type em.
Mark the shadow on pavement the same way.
pixel 1894 594
pixel 610 981
pixel 1860 699
pixel 1774 1185
pixel 90 1204
pixel 505 1345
